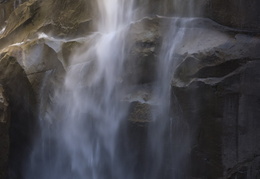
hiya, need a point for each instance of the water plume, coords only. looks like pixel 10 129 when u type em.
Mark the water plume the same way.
pixel 81 124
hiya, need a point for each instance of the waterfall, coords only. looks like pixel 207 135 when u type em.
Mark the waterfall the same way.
pixel 167 132
pixel 79 129
pixel 169 140
pixel 81 123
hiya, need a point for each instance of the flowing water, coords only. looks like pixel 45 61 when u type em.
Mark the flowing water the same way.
pixel 81 129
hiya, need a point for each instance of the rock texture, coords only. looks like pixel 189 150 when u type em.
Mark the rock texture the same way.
pixel 239 14
pixel 215 84
pixel 21 104
pixel 6 8
pixel 4 131
pixel 217 89
pixel 28 57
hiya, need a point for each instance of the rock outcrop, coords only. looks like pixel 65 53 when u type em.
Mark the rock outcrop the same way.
pixel 6 8
pixel 238 14
pixel 217 89
pixel 18 112
pixel 215 84
pixel 4 131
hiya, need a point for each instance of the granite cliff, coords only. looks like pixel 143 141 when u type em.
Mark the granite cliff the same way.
pixel 214 88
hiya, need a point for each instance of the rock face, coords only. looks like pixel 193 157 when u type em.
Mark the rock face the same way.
pixel 28 57
pixel 6 8
pixel 215 83
pixel 225 119
pixel 237 14
pixel 240 14
pixel 4 131
pixel 18 98
pixel 218 92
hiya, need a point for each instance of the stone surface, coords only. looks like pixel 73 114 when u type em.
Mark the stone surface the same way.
pixel 218 92
pixel 145 36
pixel 242 14
pixel 22 114
pixel 238 14
pixel 6 8
pixel 216 81
pixel 32 18
pixel 4 131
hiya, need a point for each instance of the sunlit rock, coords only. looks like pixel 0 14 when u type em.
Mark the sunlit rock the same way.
pixel 6 8
pixel 32 17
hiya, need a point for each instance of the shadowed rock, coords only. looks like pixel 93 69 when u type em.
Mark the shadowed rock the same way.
pixel 217 92
pixel 22 114
pixel 4 131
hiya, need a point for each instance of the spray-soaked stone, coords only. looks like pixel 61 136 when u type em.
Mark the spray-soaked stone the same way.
pixel 4 133
pixel 21 104
pixel 218 92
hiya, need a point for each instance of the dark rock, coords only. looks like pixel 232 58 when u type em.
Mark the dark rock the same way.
pixel 131 144
pixel 219 97
pixel 4 133
pixel 141 63
pixel 238 14
pixel 241 14
pixel 22 114
pixel 216 82
pixel 140 113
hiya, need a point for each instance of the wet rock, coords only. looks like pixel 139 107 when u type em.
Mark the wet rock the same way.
pixel 74 18
pixel 4 133
pixel 216 81
pixel 140 113
pixel 169 8
pixel 21 15
pixel 219 61
pixel 141 63
pixel 6 8
pixel 22 108
pixel 43 56
pixel 3 106
pixel 141 104
pixel 238 14
pixel 217 92
pixel 36 57
pixel 241 14
pixel 33 17
pixel 69 49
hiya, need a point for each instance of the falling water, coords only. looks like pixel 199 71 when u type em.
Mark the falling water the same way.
pixel 169 135
pixel 80 126
pixel 80 136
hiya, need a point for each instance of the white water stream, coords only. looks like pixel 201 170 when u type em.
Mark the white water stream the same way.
pixel 82 128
